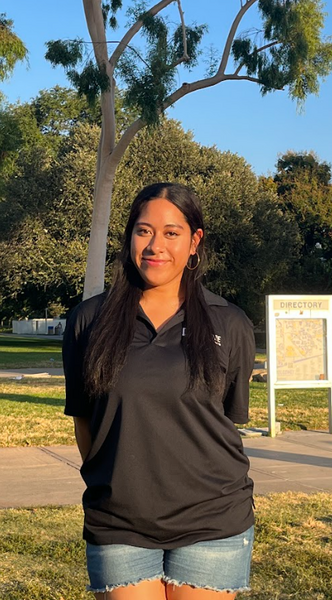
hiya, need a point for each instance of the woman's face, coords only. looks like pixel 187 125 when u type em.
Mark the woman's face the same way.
pixel 161 243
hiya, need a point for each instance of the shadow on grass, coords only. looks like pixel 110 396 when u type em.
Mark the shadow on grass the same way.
pixel 32 399
pixel 10 342
pixel 326 519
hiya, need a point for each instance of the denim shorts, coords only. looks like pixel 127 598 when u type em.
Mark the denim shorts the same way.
pixel 219 565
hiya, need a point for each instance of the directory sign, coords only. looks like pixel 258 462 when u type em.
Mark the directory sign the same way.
pixel 299 346
pixel 301 349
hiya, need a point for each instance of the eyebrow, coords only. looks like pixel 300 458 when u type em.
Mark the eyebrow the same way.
pixel 168 224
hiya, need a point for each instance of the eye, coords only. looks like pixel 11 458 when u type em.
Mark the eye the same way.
pixel 172 234
pixel 143 231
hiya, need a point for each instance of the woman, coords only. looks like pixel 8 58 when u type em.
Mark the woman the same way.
pixel 157 372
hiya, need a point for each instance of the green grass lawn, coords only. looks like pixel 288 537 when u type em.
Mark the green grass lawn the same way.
pixel 42 553
pixel 18 352
pixel 295 409
pixel 31 411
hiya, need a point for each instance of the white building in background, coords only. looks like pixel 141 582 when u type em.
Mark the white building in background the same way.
pixel 39 326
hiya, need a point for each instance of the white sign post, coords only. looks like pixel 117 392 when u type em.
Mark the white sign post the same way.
pixel 299 346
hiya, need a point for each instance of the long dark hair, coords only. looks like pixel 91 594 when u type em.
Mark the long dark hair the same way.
pixel 114 327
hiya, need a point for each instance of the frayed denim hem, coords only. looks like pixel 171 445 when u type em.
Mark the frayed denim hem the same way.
pixel 110 588
pixel 175 583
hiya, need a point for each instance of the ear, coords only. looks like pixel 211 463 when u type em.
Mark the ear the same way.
pixel 195 240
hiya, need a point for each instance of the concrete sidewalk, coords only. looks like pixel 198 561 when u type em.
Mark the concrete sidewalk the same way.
pixel 295 461
pixel 33 372
pixel 50 371
pixel 299 461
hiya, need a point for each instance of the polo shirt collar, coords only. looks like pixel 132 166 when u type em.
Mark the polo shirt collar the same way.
pixel 177 318
pixel 212 299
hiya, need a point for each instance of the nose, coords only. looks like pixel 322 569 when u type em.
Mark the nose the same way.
pixel 156 244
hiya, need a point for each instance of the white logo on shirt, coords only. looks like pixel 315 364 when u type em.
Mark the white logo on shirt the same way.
pixel 217 338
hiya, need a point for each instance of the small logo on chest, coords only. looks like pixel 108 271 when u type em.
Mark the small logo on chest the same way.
pixel 216 338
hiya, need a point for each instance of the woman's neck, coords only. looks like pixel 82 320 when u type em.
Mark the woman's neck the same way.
pixel 170 295
pixel 161 304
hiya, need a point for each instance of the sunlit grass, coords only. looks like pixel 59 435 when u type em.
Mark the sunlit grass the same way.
pixel 42 554
pixel 31 411
pixel 293 548
pixel 295 409
pixel 18 352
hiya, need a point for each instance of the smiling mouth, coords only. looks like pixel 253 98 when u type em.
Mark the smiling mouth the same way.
pixel 153 262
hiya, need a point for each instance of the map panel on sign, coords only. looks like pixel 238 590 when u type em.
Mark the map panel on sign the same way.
pixel 301 349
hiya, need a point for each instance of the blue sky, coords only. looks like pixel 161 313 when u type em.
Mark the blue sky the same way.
pixel 232 115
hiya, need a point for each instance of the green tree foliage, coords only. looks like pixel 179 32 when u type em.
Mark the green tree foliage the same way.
pixel 10 142
pixel 39 262
pixel 12 49
pixel 292 52
pixel 263 236
pixel 305 193
pixel 251 244
pixel 59 109
pixel 47 191
pixel 38 269
pixel 149 74
pixel 288 51
pixel 46 217
pixel 43 122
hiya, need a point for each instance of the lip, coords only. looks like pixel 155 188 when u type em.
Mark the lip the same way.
pixel 154 263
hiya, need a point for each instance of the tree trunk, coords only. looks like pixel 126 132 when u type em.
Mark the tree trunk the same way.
pixel 95 270
pixel 107 163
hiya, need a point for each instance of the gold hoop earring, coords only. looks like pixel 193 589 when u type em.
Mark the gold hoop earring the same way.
pixel 197 263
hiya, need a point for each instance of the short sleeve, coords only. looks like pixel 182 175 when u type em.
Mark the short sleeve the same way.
pixel 241 364
pixel 73 351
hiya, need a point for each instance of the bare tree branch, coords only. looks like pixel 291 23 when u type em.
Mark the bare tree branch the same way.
pixel 178 62
pixel 275 43
pixel 220 76
pixel 134 29
pixel 125 140
pixel 188 88
pixel 249 78
pixel 184 35
pixel 241 77
pixel 231 35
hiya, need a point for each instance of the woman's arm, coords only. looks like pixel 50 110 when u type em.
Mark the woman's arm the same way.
pixel 241 364
pixel 83 435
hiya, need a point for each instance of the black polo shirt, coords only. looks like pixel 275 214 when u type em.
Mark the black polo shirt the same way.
pixel 166 467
